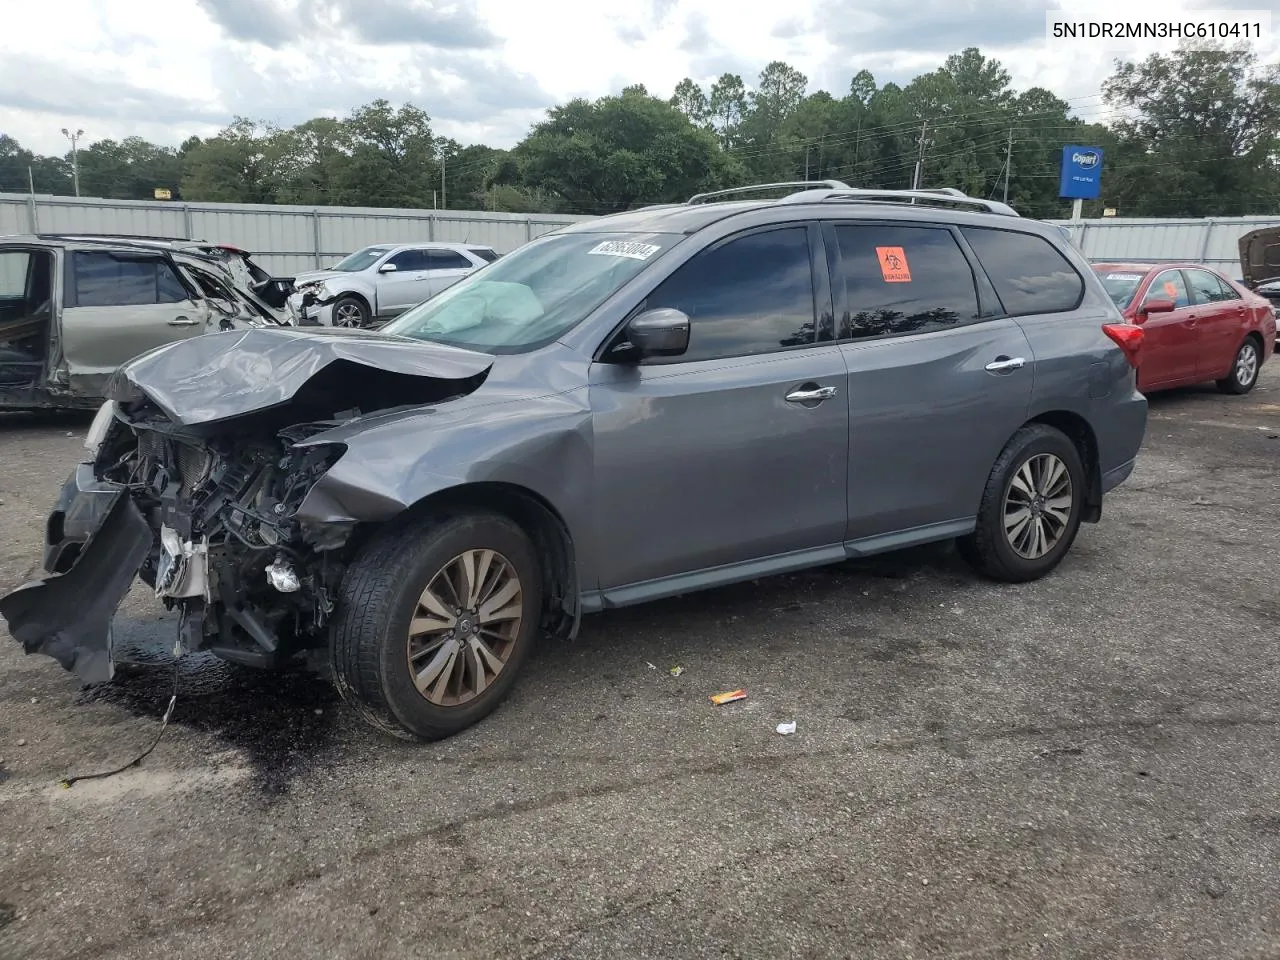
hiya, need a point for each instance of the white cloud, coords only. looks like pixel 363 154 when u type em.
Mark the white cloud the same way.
pixel 487 69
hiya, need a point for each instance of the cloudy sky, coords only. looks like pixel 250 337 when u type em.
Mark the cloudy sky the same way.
pixel 487 69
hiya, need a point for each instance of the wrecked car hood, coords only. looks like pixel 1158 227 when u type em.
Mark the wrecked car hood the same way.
pixel 1260 256
pixel 316 276
pixel 222 375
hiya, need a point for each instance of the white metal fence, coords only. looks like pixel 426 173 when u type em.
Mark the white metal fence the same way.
pixel 1212 241
pixel 289 239
pixel 285 239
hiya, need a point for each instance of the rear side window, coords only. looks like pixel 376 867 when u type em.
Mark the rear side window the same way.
pixel 1208 288
pixel 484 254
pixel 447 260
pixel 1029 274
pixel 102 280
pixel 748 296
pixel 901 279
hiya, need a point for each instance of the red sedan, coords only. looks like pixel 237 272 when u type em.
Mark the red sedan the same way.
pixel 1197 324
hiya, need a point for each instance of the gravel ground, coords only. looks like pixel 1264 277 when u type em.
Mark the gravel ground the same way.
pixel 1079 767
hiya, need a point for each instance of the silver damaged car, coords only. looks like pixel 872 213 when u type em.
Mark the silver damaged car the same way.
pixel 375 284
pixel 633 407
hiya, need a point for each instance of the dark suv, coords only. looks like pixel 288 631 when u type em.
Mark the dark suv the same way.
pixel 637 406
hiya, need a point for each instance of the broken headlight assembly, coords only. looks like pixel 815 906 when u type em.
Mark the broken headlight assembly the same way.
pixel 98 430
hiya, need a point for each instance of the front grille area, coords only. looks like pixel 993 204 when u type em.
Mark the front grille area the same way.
pixel 191 465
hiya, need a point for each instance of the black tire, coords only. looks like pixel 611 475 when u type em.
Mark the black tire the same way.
pixel 357 308
pixel 988 549
pixel 1244 375
pixel 379 596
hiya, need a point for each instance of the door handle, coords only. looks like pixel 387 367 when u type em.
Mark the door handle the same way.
pixel 801 395
pixel 183 322
pixel 1006 364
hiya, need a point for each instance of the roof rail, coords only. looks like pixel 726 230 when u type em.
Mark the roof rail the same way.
pixel 73 235
pixel 941 195
pixel 791 184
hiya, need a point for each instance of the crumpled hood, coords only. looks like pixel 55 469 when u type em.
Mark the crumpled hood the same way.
pixel 315 276
pixel 222 375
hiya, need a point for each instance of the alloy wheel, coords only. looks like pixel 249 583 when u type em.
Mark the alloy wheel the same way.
pixel 347 315
pixel 1246 364
pixel 465 627
pixel 1037 506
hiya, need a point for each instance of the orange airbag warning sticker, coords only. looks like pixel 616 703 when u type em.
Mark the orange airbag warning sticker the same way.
pixel 893 265
pixel 1171 289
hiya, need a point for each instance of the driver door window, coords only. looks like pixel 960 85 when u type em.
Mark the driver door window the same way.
pixel 1169 285
pixel 405 286
pixel 748 296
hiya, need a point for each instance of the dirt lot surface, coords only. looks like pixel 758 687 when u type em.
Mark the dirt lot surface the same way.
pixel 1085 766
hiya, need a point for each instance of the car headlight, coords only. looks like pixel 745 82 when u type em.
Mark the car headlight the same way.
pixel 101 424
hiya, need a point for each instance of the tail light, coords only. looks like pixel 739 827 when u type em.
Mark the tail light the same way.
pixel 1128 337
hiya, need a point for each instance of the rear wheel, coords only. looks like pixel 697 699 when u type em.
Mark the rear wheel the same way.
pixel 1244 369
pixel 350 312
pixel 1031 507
pixel 434 623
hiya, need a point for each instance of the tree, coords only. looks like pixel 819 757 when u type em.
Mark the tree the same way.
pixel 131 169
pixel 242 164
pixel 728 106
pixel 692 102
pixel 1202 127
pixel 617 152
pixel 393 159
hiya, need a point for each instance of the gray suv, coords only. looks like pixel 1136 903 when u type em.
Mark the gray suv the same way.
pixel 633 407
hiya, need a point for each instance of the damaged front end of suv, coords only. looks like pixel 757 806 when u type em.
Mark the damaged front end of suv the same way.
pixel 205 482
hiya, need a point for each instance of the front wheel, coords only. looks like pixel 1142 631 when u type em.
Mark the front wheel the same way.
pixel 350 312
pixel 1244 369
pixel 1031 507
pixel 435 620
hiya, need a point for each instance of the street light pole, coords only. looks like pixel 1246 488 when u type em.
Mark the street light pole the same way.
pixel 75 156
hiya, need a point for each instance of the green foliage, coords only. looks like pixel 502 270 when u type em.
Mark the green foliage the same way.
pixel 1191 133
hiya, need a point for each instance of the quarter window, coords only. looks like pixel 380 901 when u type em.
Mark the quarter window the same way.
pixel 748 296
pixel 901 279
pixel 102 280
pixel 1030 275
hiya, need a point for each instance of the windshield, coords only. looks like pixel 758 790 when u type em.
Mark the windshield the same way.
pixel 360 260
pixel 1121 286
pixel 531 296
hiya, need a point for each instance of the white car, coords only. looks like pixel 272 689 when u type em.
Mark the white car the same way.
pixel 382 281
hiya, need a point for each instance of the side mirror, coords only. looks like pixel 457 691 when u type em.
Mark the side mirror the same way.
pixel 1158 306
pixel 659 333
pixel 388 268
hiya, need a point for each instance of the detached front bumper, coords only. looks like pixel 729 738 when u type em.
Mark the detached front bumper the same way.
pixel 96 539
pixel 307 312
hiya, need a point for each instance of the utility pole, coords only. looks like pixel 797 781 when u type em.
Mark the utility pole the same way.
pixel 1008 161
pixel 915 180
pixel 443 201
pixel 806 163
pixel 75 156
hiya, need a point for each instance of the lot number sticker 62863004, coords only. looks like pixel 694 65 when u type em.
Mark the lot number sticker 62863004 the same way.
pixel 893 264
pixel 625 248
